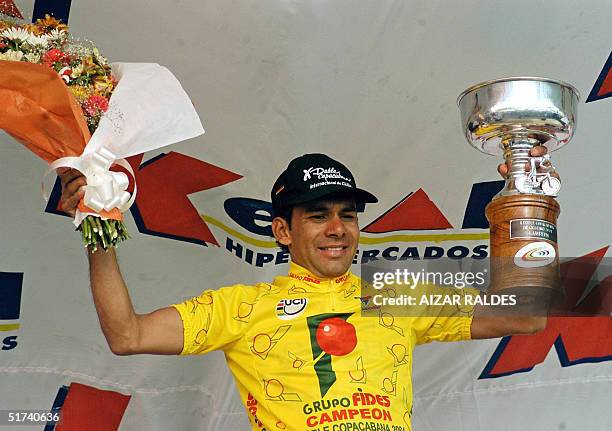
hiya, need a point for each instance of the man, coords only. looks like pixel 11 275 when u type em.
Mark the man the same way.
pixel 303 355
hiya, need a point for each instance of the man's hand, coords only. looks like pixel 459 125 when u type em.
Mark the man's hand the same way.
pixel 73 189
pixel 538 151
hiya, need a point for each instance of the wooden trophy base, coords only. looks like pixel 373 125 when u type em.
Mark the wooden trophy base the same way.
pixel 524 252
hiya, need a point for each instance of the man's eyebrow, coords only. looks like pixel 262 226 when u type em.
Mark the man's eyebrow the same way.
pixel 350 208
pixel 326 206
pixel 316 207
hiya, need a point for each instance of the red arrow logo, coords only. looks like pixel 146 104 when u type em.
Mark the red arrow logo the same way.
pixel 162 207
pixel 415 212
pixel 576 339
pixel 89 408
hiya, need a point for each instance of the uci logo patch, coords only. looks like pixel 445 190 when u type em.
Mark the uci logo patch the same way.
pixel 288 309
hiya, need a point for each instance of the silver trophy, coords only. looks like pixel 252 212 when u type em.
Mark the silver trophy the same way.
pixel 508 117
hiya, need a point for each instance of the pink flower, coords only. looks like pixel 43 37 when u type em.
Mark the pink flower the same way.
pixel 95 105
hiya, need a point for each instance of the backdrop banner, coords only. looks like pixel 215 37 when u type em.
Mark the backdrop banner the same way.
pixel 374 85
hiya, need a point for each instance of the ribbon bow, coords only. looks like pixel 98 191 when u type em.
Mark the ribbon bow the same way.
pixel 105 189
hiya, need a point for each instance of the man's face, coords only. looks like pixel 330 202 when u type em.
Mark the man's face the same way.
pixel 323 236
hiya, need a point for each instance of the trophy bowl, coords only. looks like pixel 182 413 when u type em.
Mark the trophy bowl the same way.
pixel 540 110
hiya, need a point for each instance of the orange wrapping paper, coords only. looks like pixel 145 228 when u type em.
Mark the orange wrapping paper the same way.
pixel 39 111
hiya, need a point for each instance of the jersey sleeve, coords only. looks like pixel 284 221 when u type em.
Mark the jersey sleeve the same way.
pixel 212 321
pixel 445 315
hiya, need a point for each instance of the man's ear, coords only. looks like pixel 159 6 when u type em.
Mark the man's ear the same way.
pixel 281 231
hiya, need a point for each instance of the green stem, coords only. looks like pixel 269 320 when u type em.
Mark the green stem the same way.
pixel 96 232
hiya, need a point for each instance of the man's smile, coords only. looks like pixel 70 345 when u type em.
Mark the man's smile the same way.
pixel 333 251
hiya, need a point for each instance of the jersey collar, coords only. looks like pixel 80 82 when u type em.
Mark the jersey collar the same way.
pixel 298 273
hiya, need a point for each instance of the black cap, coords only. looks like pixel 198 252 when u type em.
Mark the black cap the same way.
pixel 314 176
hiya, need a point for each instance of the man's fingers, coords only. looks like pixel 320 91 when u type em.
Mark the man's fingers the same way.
pixel 72 193
pixel 63 172
pixel 73 188
pixel 74 185
pixel 71 201
pixel 538 151
pixel 70 176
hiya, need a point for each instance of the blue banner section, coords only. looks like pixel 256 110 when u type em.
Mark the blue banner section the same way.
pixel 54 199
pixel 10 295
pixel 57 406
pixel 249 212
pixel 60 9
pixel 480 196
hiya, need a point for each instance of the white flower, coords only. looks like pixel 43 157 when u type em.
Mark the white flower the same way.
pixel 38 41
pixel 33 57
pixel 56 36
pixel 16 34
pixel 11 55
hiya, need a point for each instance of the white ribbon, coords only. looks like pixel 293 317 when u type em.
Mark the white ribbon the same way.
pixel 105 189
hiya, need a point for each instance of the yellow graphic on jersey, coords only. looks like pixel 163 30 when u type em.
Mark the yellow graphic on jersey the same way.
pixel 275 391
pixel 399 353
pixel 359 375
pixel 389 385
pixel 263 343
pixel 244 311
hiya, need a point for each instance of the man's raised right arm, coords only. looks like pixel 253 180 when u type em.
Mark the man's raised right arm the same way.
pixel 126 332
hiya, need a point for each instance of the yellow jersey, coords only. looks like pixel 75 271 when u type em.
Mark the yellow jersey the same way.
pixel 306 356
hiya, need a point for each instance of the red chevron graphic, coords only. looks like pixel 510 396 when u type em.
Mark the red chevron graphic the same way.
pixel 162 207
pixel 8 7
pixel 576 339
pixel 89 408
pixel 603 86
pixel 415 212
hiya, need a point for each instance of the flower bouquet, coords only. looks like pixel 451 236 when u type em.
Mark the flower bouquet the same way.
pixel 63 100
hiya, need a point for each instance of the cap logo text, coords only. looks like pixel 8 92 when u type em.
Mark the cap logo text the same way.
pixel 324 174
